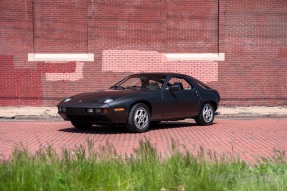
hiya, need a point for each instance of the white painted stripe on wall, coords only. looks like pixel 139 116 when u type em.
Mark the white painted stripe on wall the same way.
pixel 175 57
pixel 57 57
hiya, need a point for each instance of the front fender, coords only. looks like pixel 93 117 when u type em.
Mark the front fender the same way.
pixel 152 99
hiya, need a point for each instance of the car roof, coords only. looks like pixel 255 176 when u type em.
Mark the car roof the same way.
pixel 175 74
pixel 161 73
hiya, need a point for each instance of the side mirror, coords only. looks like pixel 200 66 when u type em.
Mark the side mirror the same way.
pixel 174 88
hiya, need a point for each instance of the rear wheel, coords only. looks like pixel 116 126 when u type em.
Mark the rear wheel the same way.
pixel 206 115
pixel 82 124
pixel 139 118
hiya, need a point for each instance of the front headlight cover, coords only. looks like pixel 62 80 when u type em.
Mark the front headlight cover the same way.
pixel 68 99
pixel 108 100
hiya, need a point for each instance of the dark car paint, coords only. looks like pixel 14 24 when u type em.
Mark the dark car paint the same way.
pixel 163 104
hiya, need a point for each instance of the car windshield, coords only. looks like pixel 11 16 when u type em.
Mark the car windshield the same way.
pixel 150 82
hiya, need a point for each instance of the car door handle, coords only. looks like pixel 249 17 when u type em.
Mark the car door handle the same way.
pixel 196 93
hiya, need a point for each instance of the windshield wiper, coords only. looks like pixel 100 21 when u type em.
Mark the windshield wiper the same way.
pixel 117 87
pixel 135 87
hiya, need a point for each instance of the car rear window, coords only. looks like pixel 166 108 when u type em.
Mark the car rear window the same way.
pixel 201 84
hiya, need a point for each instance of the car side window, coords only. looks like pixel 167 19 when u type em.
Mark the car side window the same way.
pixel 132 82
pixel 152 84
pixel 183 84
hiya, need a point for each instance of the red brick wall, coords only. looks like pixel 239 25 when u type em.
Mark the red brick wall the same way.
pixel 255 45
pixel 60 26
pixel 191 26
pixel 133 36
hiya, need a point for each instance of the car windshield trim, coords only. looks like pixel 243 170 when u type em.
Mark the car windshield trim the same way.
pixel 117 87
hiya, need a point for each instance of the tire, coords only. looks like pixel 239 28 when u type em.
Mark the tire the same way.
pixel 139 118
pixel 82 124
pixel 206 115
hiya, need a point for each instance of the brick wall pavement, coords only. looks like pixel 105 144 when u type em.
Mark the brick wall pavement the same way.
pixel 249 139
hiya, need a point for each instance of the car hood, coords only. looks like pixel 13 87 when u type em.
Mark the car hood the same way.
pixel 101 96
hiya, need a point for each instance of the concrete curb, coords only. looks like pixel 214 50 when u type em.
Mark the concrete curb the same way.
pixel 37 118
pixel 50 113
pixel 58 118
pixel 30 118
pixel 252 116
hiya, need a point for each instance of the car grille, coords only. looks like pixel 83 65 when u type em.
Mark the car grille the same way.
pixel 75 111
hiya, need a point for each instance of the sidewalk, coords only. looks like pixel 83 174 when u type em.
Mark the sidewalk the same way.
pixel 50 113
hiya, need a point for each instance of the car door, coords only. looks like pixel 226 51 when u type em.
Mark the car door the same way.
pixel 182 102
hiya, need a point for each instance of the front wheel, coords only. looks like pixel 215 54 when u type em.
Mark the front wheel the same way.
pixel 206 115
pixel 139 118
pixel 82 124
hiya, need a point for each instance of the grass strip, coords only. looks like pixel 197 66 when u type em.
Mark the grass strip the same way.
pixel 86 169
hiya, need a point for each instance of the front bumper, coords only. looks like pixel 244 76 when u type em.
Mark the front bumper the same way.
pixel 81 114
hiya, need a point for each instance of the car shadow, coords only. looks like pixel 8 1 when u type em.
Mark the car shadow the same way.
pixel 100 129
pixel 171 124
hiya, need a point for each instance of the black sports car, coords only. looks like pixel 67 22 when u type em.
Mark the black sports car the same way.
pixel 140 100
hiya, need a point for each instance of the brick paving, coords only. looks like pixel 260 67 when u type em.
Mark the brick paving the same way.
pixel 247 138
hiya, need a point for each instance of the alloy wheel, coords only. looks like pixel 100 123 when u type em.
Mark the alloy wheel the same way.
pixel 141 118
pixel 207 113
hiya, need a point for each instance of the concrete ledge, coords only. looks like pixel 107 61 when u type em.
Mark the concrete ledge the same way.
pixel 57 57
pixel 175 57
pixel 251 116
pixel 51 113
pixel 37 118
pixel 29 113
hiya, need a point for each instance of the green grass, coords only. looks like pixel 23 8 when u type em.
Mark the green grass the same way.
pixel 86 169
